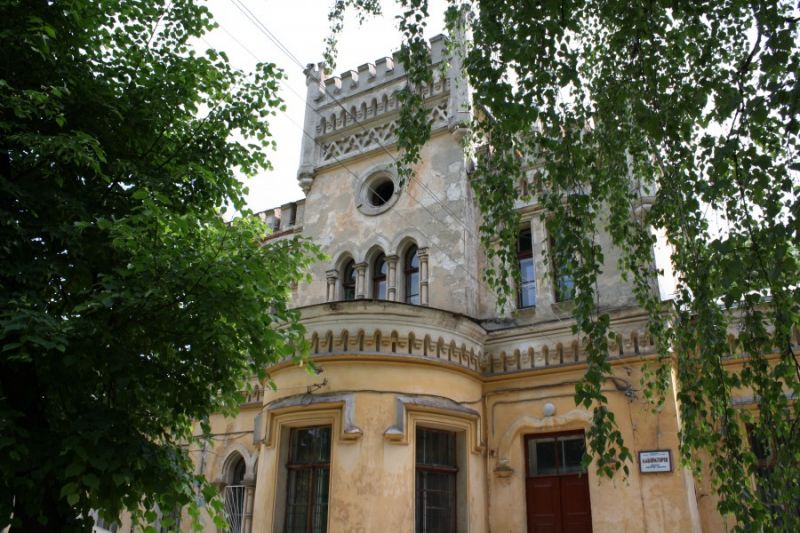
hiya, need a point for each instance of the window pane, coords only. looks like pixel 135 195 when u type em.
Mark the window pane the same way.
pixel 310 445
pixel 320 512
pixel 436 504
pixel 527 289
pixel 349 281
pixel 412 259
pixel 436 448
pixel 565 288
pixel 379 268
pixel 380 290
pixel 542 457
pixel 525 243
pixel 572 450
pixel 412 288
pixel 297 500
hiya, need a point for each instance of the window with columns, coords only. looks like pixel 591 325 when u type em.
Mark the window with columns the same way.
pixel 379 271
pixel 349 281
pixel 402 278
pixel 411 276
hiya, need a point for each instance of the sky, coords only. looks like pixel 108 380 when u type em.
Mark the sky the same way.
pixel 301 26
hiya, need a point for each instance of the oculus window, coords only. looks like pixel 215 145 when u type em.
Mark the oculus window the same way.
pixel 377 193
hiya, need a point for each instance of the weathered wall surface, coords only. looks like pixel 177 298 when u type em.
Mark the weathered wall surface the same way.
pixel 372 475
pixel 430 212
pixel 640 502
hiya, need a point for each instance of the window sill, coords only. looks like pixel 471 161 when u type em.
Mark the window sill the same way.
pixel 525 311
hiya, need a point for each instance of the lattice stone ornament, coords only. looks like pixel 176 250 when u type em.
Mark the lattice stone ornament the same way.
pixel 373 138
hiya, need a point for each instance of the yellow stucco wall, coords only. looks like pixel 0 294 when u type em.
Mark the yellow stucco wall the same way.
pixel 372 475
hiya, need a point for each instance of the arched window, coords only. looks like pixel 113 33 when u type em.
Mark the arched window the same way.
pixel 526 296
pixel 234 497
pixel 349 281
pixel 379 269
pixel 411 279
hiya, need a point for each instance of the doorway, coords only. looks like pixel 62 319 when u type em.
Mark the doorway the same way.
pixel 556 485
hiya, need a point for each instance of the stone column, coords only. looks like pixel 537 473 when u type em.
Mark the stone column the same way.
pixel 422 254
pixel 315 78
pixel 332 276
pixel 361 281
pixel 391 278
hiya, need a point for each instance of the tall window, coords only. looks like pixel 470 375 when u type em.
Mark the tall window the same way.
pixel 564 284
pixel 436 481
pixel 234 498
pixel 379 269
pixel 349 281
pixel 308 480
pixel 526 296
pixel 411 272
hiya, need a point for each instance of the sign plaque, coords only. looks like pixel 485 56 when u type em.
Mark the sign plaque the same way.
pixel 654 461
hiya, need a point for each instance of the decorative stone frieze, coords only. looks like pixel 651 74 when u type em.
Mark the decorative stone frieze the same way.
pixel 356 112
pixel 363 140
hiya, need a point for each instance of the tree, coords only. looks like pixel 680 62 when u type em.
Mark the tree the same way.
pixel 629 116
pixel 129 307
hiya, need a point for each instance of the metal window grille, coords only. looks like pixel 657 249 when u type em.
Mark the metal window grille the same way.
pixel 234 508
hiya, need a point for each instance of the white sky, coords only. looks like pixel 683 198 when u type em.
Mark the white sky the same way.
pixel 301 25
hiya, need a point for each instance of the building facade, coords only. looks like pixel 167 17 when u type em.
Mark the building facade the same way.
pixel 427 409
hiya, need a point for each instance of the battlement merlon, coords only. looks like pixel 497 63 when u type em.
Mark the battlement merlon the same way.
pixel 332 89
pixel 340 105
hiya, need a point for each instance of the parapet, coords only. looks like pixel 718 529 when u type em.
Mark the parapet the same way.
pixel 356 112
pixel 366 77
pixel 284 220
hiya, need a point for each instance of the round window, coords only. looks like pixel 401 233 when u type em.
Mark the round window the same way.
pixel 381 192
pixel 377 194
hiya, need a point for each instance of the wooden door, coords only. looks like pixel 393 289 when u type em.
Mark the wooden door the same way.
pixel 556 487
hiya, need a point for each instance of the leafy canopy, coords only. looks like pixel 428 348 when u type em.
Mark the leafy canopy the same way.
pixel 128 307
pixel 627 116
